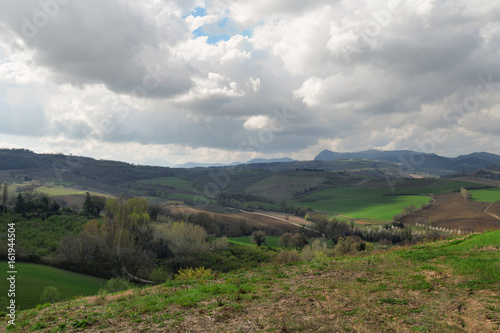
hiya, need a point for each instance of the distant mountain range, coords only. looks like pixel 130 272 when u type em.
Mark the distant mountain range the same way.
pixel 190 165
pixel 418 161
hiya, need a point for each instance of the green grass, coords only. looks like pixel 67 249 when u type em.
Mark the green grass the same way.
pixel 31 279
pixel 57 191
pixel 361 202
pixel 406 290
pixel 271 241
pixel 174 182
pixel 475 255
pixel 487 194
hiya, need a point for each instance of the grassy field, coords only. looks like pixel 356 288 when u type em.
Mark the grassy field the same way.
pixel 446 286
pixel 361 202
pixel 487 194
pixel 33 278
pixel 271 241
pixel 175 182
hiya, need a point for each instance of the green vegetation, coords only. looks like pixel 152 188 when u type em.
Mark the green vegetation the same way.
pixel 271 241
pixel 419 289
pixel 361 202
pixel 487 194
pixel 476 256
pixel 32 279
pixel 173 182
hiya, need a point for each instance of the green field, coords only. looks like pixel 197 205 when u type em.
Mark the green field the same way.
pixel 174 182
pixel 31 279
pixel 361 202
pixel 487 194
pixel 271 241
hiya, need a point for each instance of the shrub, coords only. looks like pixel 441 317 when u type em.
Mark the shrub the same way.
pixel 186 274
pixel 317 249
pixel 50 295
pixel 159 275
pixel 116 284
pixel 285 257
pixel 348 245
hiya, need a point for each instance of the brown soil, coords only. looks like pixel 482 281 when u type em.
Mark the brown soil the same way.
pixel 451 211
pixel 494 208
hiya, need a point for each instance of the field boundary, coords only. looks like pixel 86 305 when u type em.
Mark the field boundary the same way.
pixel 280 219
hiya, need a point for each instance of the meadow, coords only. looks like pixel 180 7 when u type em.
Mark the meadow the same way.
pixel 361 203
pixel 487 194
pixel 271 241
pixel 31 279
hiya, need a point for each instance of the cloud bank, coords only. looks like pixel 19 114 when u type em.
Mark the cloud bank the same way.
pixel 222 81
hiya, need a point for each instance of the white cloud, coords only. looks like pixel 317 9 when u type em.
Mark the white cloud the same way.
pixel 123 79
pixel 257 122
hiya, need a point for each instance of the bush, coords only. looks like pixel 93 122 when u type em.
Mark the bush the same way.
pixel 159 275
pixel 50 295
pixel 317 249
pixel 200 273
pixel 116 284
pixel 348 245
pixel 285 257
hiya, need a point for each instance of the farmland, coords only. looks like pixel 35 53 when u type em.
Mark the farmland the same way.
pixel 361 203
pixel 487 194
pixel 33 278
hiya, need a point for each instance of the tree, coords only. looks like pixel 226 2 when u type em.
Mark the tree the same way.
pixel 258 237
pixel 5 197
pixel 50 295
pixel 93 205
pixel 299 241
pixel 20 207
pixel 285 240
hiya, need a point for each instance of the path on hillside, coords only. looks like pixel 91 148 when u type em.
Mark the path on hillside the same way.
pixel 491 214
pixel 280 219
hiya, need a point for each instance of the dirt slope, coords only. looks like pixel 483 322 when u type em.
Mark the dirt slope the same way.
pixel 451 211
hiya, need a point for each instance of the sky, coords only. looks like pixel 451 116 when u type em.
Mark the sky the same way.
pixel 166 82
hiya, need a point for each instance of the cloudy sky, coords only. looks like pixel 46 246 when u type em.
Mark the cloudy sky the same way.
pixel 228 80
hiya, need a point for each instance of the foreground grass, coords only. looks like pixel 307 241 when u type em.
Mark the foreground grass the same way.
pixel 438 287
pixel 31 279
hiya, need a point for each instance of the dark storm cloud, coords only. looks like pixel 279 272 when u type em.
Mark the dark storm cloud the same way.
pixel 110 42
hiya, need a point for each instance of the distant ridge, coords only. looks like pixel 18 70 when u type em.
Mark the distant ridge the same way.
pixel 270 160
pixel 422 162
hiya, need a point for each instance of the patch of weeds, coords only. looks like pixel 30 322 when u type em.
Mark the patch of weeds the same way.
pixel 82 323
pixel 43 306
pixel 379 287
pixel 38 326
pixel 351 312
pixel 362 280
pixel 390 300
pixel 421 283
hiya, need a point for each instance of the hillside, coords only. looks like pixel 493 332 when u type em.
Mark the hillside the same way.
pixel 446 286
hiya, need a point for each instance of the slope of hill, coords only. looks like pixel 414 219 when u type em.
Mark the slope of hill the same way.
pixel 447 286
